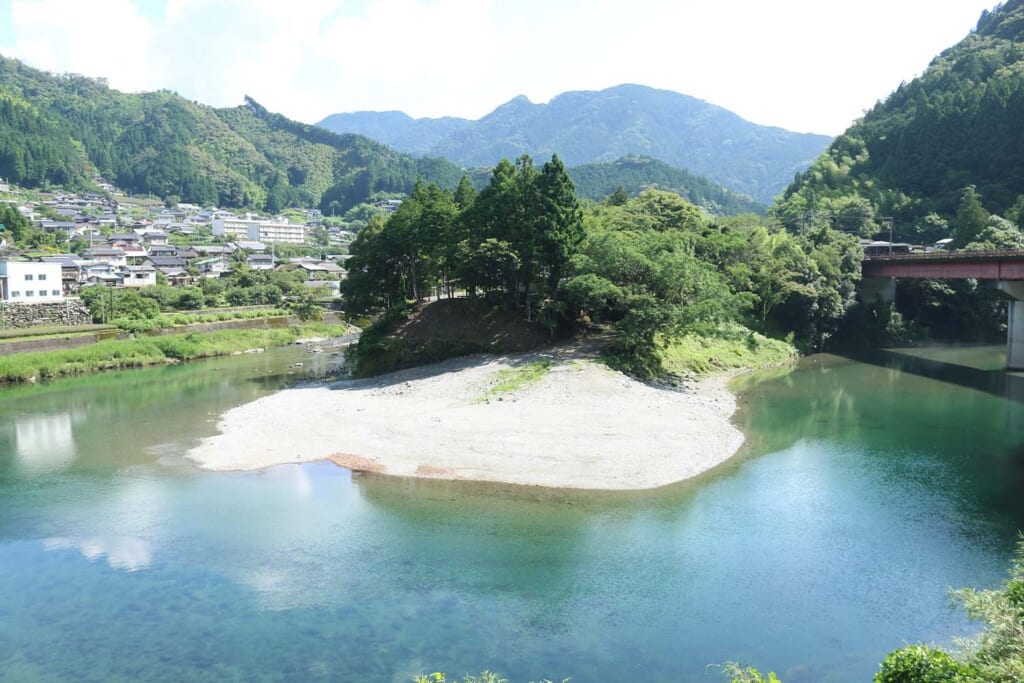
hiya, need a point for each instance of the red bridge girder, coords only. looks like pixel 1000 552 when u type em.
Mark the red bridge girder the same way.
pixel 979 265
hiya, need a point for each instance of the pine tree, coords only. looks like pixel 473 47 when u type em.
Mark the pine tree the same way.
pixel 971 218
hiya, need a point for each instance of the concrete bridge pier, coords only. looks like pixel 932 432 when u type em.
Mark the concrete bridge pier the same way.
pixel 1014 324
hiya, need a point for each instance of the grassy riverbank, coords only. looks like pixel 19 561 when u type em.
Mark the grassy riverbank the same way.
pixel 129 353
pixel 731 348
pixel 450 328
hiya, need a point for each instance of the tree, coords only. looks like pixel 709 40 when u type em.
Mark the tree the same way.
pixel 559 223
pixel 1016 212
pixel 617 198
pixel 998 233
pixel 971 218
pixel 16 226
pixel 465 193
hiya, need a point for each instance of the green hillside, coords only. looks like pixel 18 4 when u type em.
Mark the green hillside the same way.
pixel 635 174
pixel 912 155
pixel 64 129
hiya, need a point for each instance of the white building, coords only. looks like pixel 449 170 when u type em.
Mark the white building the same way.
pixel 139 276
pixel 30 282
pixel 260 230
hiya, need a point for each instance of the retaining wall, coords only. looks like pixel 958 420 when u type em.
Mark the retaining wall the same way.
pixel 69 312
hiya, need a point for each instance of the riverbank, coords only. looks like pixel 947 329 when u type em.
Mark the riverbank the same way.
pixel 556 418
pixel 157 350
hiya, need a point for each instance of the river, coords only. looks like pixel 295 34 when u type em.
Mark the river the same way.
pixel 867 488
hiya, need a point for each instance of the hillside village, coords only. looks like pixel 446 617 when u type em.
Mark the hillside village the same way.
pixel 136 244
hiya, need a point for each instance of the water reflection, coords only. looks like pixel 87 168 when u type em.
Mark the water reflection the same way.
pixel 957 426
pixel 130 553
pixel 44 443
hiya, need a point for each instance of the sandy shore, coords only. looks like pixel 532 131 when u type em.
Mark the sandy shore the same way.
pixel 582 426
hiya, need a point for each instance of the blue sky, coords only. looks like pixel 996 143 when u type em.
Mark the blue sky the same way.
pixel 805 65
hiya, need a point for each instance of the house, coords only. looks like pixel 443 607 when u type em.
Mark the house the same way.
pixel 176 277
pixel 163 250
pixel 155 238
pixel 260 261
pixel 215 250
pixel 122 238
pixel 388 205
pixel 167 262
pixel 134 254
pixel 139 276
pixel 71 270
pixel 107 279
pixel 67 227
pixel 30 282
pixel 114 256
pixel 315 269
pixel 210 266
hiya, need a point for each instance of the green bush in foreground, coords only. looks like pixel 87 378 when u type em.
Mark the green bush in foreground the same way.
pixel 738 674
pixel 920 664
pixel 996 655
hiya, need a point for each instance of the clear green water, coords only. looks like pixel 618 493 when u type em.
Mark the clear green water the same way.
pixel 867 489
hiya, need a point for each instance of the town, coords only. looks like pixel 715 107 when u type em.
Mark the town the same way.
pixel 107 239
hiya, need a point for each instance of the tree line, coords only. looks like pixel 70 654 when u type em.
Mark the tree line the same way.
pixel 652 266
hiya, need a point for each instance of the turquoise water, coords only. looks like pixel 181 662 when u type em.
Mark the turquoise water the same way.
pixel 866 490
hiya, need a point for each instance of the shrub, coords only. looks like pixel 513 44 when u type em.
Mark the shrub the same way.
pixel 921 664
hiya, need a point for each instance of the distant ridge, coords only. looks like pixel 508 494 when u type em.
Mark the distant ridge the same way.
pixel 635 174
pixel 65 129
pixel 585 127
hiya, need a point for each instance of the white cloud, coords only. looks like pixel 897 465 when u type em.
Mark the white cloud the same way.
pixel 802 64
pixel 73 36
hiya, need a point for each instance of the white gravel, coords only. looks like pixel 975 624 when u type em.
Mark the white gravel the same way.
pixel 582 426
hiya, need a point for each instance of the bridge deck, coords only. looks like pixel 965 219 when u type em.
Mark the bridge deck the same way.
pixel 951 265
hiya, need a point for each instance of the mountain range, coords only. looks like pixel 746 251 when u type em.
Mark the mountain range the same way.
pixel 586 127
pixel 64 129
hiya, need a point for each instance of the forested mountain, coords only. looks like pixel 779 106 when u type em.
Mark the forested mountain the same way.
pixel 914 155
pixel 634 174
pixel 63 129
pixel 592 127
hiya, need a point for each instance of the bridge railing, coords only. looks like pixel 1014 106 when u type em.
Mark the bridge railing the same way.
pixel 992 255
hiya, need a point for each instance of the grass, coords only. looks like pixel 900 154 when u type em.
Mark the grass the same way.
pixel 43 331
pixel 511 380
pixel 129 353
pixel 173 319
pixel 731 348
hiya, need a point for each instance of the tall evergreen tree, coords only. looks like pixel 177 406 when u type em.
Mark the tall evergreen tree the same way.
pixel 465 193
pixel 971 218
pixel 560 222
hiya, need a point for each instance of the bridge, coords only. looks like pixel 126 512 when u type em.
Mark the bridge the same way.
pixel 1004 268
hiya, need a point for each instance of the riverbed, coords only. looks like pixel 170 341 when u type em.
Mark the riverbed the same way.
pixel 865 490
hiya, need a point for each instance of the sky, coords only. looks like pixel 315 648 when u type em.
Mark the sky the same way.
pixel 804 65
